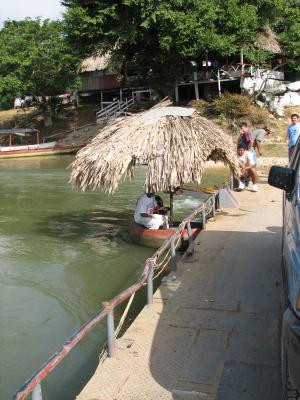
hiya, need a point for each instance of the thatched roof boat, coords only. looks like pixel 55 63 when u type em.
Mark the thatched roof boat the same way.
pixel 174 142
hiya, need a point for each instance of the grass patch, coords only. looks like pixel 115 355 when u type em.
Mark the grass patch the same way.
pixel 8 118
pixel 274 150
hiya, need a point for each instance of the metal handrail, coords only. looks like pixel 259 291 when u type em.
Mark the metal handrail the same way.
pixel 114 109
pixel 106 110
pixel 33 383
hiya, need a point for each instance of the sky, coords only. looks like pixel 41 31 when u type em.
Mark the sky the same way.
pixel 20 9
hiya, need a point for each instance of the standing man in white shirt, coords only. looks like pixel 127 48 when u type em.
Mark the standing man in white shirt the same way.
pixel 145 213
pixel 247 168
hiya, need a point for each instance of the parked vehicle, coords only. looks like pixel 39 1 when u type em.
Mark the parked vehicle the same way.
pixel 288 179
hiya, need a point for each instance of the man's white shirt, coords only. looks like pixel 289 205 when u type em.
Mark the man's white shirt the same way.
pixel 246 160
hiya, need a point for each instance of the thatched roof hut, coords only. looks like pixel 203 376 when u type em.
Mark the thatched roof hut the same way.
pixel 267 40
pixel 96 62
pixel 175 143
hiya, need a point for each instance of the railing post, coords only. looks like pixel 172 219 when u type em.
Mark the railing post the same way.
pixel 217 201
pixel 189 230
pixel 191 240
pixel 173 257
pixel 213 205
pixel 37 393
pixel 110 333
pixel 203 217
pixel 231 182
pixel 150 285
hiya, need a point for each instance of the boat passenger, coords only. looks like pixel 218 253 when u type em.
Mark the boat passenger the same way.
pixel 160 208
pixel 145 212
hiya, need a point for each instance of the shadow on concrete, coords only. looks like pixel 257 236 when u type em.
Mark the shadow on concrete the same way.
pixel 218 334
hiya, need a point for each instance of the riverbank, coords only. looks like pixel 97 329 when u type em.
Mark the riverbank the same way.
pixel 262 162
pixel 216 335
pixel 77 126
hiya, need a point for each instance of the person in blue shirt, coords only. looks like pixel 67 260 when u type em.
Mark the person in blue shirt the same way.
pixel 293 133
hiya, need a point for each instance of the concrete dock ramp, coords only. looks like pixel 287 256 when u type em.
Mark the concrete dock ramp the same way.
pixel 214 336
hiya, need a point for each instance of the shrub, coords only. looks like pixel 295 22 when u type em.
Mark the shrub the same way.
pixel 232 106
pixel 239 107
pixel 200 105
pixel 257 115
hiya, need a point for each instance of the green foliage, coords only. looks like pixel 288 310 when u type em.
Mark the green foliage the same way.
pixel 159 37
pixel 238 107
pixel 35 59
pixel 10 86
pixel 200 105
pixel 288 27
pixel 258 116
pixel 231 105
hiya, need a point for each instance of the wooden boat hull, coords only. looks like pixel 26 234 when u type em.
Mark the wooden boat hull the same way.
pixel 154 238
pixel 28 152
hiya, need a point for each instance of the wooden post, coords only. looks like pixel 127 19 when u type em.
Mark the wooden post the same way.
pixel 196 86
pixel 242 60
pixel 37 137
pixel 176 93
pixel 219 83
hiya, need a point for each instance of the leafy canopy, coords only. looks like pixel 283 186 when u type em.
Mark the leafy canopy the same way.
pixel 288 28
pixel 35 58
pixel 160 37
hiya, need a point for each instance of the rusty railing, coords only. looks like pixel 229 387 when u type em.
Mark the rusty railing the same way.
pixel 33 384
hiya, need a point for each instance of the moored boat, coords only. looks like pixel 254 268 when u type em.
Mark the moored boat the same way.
pixel 155 237
pixel 26 142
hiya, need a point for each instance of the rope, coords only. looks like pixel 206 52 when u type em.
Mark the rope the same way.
pixel 156 266
pixel 103 353
pixel 160 267
pixel 124 315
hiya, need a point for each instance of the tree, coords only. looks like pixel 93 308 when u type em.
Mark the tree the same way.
pixel 288 28
pixel 160 37
pixel 35 59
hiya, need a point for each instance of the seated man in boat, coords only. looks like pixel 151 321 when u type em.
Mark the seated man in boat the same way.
pixel 146 213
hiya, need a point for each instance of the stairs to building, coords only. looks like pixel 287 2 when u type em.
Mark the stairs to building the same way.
pixel 114 109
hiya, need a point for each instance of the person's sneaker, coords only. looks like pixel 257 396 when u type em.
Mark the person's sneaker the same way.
pixel 241 186
pixel 254 188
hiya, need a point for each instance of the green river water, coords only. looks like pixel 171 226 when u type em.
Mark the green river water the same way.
pixel 62 253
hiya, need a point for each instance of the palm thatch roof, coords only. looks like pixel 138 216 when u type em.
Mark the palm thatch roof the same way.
pixel 96 62
pixel 175 143
pixel 267 40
